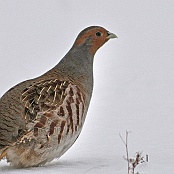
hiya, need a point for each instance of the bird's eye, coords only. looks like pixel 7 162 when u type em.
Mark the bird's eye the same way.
pixel 98 34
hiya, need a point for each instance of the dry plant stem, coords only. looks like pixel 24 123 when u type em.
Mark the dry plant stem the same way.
pixel 127 152
pixel 132 162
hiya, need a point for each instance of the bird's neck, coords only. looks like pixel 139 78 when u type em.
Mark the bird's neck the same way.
pixel 77 65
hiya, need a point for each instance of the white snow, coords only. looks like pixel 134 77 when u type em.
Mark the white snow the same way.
pixel 134 78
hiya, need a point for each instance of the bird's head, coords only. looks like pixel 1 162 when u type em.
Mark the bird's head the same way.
pixel 93 37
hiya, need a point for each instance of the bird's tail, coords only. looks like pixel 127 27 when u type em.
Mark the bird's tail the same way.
pixel 3 152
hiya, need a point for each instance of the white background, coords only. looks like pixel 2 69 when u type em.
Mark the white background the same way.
pixel 134 77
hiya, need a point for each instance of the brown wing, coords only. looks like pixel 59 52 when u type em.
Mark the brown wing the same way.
pixel 43 96
pixel 52 106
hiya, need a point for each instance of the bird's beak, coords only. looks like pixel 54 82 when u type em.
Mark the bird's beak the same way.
pixel 111 35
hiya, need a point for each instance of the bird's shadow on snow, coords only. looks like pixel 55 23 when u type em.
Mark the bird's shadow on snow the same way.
pixel 61 165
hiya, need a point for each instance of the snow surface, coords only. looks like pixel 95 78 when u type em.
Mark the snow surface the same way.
pixel 134 77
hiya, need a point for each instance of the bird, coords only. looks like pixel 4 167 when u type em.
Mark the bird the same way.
pixel 41 118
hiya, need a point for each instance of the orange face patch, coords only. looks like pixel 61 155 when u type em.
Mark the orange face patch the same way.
pixel 95 36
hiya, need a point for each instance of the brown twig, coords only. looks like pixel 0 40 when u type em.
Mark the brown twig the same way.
pixel 132 162
pixel 127 152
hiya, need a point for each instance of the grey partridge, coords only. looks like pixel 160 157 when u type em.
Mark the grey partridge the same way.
pixel 41 118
